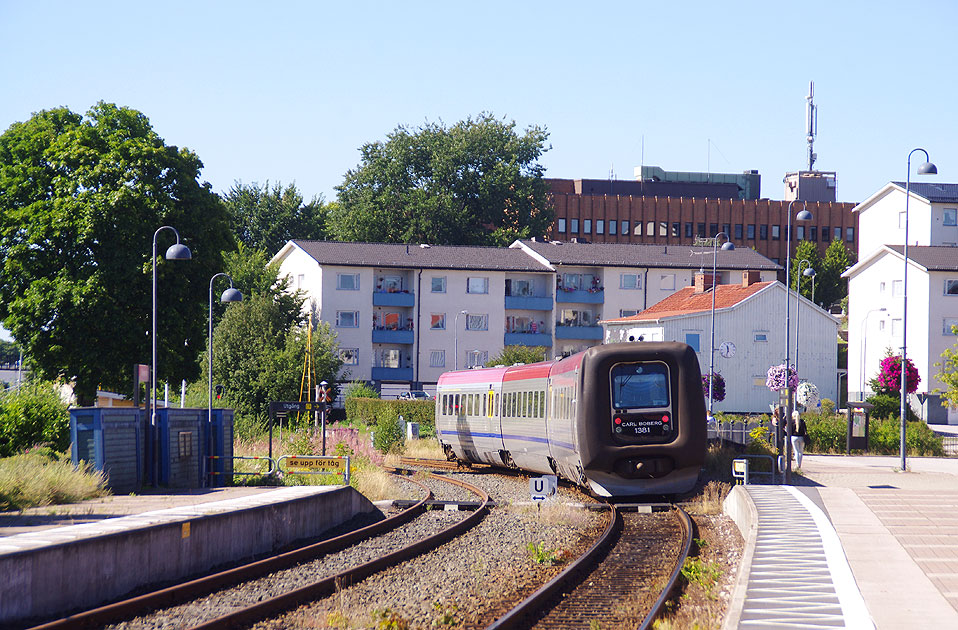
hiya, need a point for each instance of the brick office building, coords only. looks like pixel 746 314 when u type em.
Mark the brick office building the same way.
pixel 673 213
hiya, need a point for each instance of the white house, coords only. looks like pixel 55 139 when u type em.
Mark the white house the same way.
pixel 404 314
pixel 749 336
pixel 875 288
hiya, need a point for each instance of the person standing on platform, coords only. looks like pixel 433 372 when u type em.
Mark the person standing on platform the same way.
pixel 799 437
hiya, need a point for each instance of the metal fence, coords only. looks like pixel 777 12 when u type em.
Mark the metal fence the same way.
pixel 950 443
pixel 737 432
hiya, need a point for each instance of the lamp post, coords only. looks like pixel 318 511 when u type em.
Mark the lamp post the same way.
pixel 808 273
pixel 728 245
pixel 457 336
pixel 229 295
pixel 925 169
pixel 864 352
pixel 177 251
pixel 803 215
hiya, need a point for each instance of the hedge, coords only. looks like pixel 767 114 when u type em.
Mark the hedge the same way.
pixel 368 411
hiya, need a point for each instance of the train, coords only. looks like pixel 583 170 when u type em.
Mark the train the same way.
pixel 624 419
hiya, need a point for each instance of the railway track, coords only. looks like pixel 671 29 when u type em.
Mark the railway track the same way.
pixel 606 584
pixel 274 605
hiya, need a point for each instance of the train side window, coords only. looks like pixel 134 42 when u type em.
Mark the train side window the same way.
pixel 513 404
pixel 530 405
pixel 472 404
pixel 455 405
pixel 484 404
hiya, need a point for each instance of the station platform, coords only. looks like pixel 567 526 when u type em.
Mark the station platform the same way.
pixel 851 544
pixel 62 557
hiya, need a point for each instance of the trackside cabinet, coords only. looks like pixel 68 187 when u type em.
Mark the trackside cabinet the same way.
pixel 113 440
pixel 181 434
pixel 220 445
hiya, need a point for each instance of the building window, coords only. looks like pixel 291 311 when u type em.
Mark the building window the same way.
pixel 750 233
pixel 638 229
pixel 763 232
pixel 650 228
pixel 349 356
pixel 573 317
pixel 950 216
pixel 761 337
pixel 676 229
pixel 951 287
pixel 630 281
pixel 667 282
pixel 692 339
pixel 700 230
pixel 519 288
pixel 738 232
pixel 689 233
pixel 477 358
pixel 850 234
pixel 347 281
pixel 713 229
pixel 813 233
pixel 897 288
pixel 587 226
pixel 663 228
pixel 947 326
pixel 881 287
pixel 477 322
pixel 437 358
pixel 838 234
pixel 799 232
pixel 574 226
pixel 896 328
pixel 477 285
pixel 390 359
pixel 612 227
pixel 776 232
pixel 437 321
pixel 561 226
pixel 390 284
pixel 347 319
pixel 300 281
pixel 902 218
pixel 628 312
pixel 439 284
pixel 599 226
pixel 825 232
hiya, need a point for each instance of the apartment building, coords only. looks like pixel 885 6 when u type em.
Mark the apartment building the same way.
pixel 404 314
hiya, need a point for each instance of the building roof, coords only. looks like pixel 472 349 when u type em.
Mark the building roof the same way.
pixel 932 191
pixel 932 258
pixel 687 302
pixel 398 255
pixel 643 255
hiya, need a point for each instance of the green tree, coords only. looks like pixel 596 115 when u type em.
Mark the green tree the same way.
pixel 806 250
pixel 9 353
pixel 832 288
pixel 511 355
pixel 475 183
pixel 33 415
pixel 948 374
pixel 265 217
pixel 80 200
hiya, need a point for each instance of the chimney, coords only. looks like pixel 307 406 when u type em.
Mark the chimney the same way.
pixel 750 277
pixel 703 281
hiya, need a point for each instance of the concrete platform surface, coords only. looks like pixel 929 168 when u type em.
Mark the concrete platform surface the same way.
pixel 896 532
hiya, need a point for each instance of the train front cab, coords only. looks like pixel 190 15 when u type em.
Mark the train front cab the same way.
pixel 643 430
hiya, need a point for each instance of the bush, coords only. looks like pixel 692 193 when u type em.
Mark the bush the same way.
pixel 828 406
pixel 884 438
pixel 32 415
pixel 359 389
pixel 826 433
pixel 889 406
pixel 388 433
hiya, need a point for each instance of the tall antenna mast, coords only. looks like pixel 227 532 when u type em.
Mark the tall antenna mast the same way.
pixel 811 125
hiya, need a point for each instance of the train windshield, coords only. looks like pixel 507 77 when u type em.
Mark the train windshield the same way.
pixel 640 386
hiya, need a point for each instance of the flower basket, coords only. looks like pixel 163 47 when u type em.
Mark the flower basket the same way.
pixel 775 379
pixel 890 375
pixel 718 387
pixel 807 395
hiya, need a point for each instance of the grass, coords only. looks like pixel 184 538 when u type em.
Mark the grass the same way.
pixel 35 479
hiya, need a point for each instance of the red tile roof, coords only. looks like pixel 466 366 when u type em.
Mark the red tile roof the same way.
pixel 686 301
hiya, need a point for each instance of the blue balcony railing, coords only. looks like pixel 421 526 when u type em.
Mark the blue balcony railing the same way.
pixel 527 339
pixel 580 296
pixel 392 374
pixel 383 298
pixel 393 336
pixel 592 333
pixel 529 303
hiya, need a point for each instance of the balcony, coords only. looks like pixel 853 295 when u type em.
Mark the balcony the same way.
pixel 580 296
pixel 392 374
pixel 528 303
pixel 591 333
pixel 527 339
pixel 398 336
pixel 397 298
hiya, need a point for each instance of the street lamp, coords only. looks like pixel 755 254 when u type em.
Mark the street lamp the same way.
pixel 864 351
pixel 803 215
pixel 229 295
pixel 808 273
pixel 925 169
pixel 177 251
pixel 728 245
pixel 457 336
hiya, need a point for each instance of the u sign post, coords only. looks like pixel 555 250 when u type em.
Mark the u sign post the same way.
pixel 541 488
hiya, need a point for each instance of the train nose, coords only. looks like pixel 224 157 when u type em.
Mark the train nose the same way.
pixel 644 467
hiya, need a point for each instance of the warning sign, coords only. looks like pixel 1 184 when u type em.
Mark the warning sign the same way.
pixel 310 464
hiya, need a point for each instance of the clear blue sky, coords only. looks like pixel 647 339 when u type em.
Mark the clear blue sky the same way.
pixel 289 91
